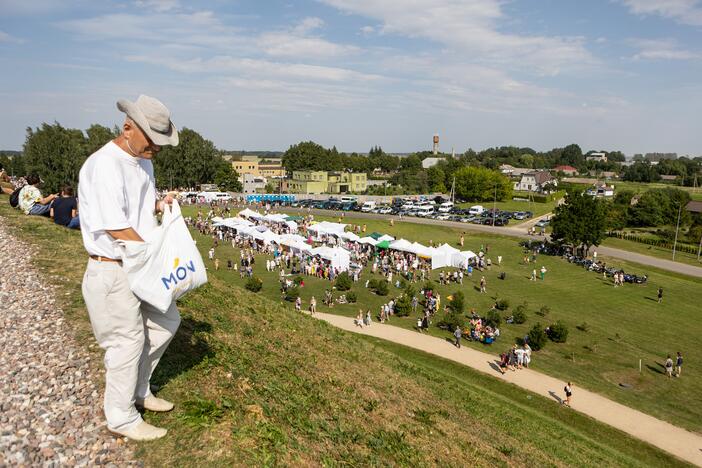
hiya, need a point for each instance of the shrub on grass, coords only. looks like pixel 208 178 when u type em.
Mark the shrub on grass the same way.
pixel 403 306
pixel 351 297
pixel 292 294
pixel 544 311
pixel 520 313
pixel 502 304
pixel 493 319
pixel 457 304
pixel 537 337
pixel 451 320
pixel 254 284
pixel 558 332
pixel 298 280
pixel 372 284
pixel 343 282
pixel 381 288
pixel 429 286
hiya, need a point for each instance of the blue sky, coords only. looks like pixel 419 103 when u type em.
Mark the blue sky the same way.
pixel 606 74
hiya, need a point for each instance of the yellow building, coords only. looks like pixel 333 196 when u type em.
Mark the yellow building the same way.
pixel 316 182
pixel 246 167
pixel 259 169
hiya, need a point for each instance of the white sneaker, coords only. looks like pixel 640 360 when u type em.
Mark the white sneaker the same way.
pixel 153 403
pixel 142 432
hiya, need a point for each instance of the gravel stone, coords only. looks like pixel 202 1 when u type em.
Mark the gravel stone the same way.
pixel 50 392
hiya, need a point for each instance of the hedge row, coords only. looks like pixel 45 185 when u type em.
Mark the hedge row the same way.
pixel 654 242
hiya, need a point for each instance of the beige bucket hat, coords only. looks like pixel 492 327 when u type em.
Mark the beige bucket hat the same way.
pixel 152 117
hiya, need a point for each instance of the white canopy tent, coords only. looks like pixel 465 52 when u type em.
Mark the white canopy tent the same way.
pixel 338 257
pixel 461 259
pixel 367 240
pixel 386 237
pixel 401 245
pixel 247 213
pixel 442 256
pixel 350 236
pixel 326 227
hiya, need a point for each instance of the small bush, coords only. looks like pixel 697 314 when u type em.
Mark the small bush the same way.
pixel 537 337
pixel 351 297
pixel 520 313
pixel 558 332
pixel 292 294
pixel 429 286
pixel 403 306
pixel 381 288
pixel 373 284
pixel 457 305
pixel 493 319
pixel 343 282
pixel 502 304
pixel 583 327
pixel 403 284
pixel 450 321
pixel 254 284
pixel 298 280
pixel 544 311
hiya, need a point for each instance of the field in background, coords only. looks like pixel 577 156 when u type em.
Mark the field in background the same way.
pixel 257 384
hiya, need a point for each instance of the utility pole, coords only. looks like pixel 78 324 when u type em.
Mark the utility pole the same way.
pixel 677 227
pixel 494 207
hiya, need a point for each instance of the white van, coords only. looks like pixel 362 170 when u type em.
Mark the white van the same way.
pixel 408 206
pixel 347 199
pixel 209 197
pixel 476 210
pixel 222 196
pixel 368 206
pixel 424 211
pixel 446 207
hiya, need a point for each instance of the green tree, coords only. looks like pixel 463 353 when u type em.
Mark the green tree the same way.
pixel 435 179
pixel 580 221
pixel 309 155
pixel 481 184
pixel 194 161
pixel 98 136
pixel 56 154
pixel 226 178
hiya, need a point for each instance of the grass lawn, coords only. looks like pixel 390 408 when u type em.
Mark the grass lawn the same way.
pixel 695 193
pixel 257 384
pixel 622 325
pixel 653 251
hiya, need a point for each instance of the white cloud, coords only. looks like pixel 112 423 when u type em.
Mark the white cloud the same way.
pixel 682 11
pixel 471 27
pixel 661 49
pixel 158 5
pixel 298 43
pixel 367 30
pixel 4 37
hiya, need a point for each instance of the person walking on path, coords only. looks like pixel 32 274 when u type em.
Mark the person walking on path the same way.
pixel 298 304
pixel 678 365
pixel 483 285
pixel 660 295
pixel 118 201
pixel 568 389
pixel 543 272
pixel 313 305
pixel 533 275
pixel 457 334
pixel 669 367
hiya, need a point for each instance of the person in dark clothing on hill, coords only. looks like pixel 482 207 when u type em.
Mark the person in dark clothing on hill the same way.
pixel 64 210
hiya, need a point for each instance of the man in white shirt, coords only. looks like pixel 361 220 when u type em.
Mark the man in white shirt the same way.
pixel 118 201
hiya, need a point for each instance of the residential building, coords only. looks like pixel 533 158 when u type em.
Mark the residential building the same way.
pixel 567 170
pixel 599 157
pixel 669 177
pixel 252 183
pixel 536 181
pixel 601 190
pixel 511 171
pixel 271 169
pixel 317 182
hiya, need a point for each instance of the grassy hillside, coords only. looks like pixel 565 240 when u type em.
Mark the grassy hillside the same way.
pixel 619 326
pixel 256 384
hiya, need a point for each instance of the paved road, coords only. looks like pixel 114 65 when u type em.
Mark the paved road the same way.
pixel 672 439
pixel 520 231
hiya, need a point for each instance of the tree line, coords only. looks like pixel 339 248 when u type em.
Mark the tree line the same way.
pixel 688 171
pixel 56 154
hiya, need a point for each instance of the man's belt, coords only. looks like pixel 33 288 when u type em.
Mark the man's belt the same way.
pixel 105 259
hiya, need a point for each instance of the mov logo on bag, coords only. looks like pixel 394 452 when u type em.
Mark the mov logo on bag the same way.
pixel 179 273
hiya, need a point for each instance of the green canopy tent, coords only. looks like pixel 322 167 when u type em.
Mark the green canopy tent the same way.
pixel 383 245
pixel 375 235
pixel 294 218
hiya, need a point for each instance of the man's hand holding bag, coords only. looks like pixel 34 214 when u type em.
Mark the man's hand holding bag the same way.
pixel 167 264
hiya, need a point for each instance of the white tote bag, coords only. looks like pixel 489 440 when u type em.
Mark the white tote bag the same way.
pixel 166 265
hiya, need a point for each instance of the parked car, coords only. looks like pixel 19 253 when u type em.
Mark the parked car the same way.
pixel 386 210
pixel 476 210
pixel 519 215
pixel 542 223
pixel 443 216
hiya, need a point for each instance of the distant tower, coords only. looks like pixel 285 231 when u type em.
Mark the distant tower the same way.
pixel 435 148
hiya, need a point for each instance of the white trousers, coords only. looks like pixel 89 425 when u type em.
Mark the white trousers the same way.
pixel 133 334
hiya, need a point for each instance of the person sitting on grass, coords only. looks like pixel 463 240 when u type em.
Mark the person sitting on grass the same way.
pixel 31 200
pixel 64 210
